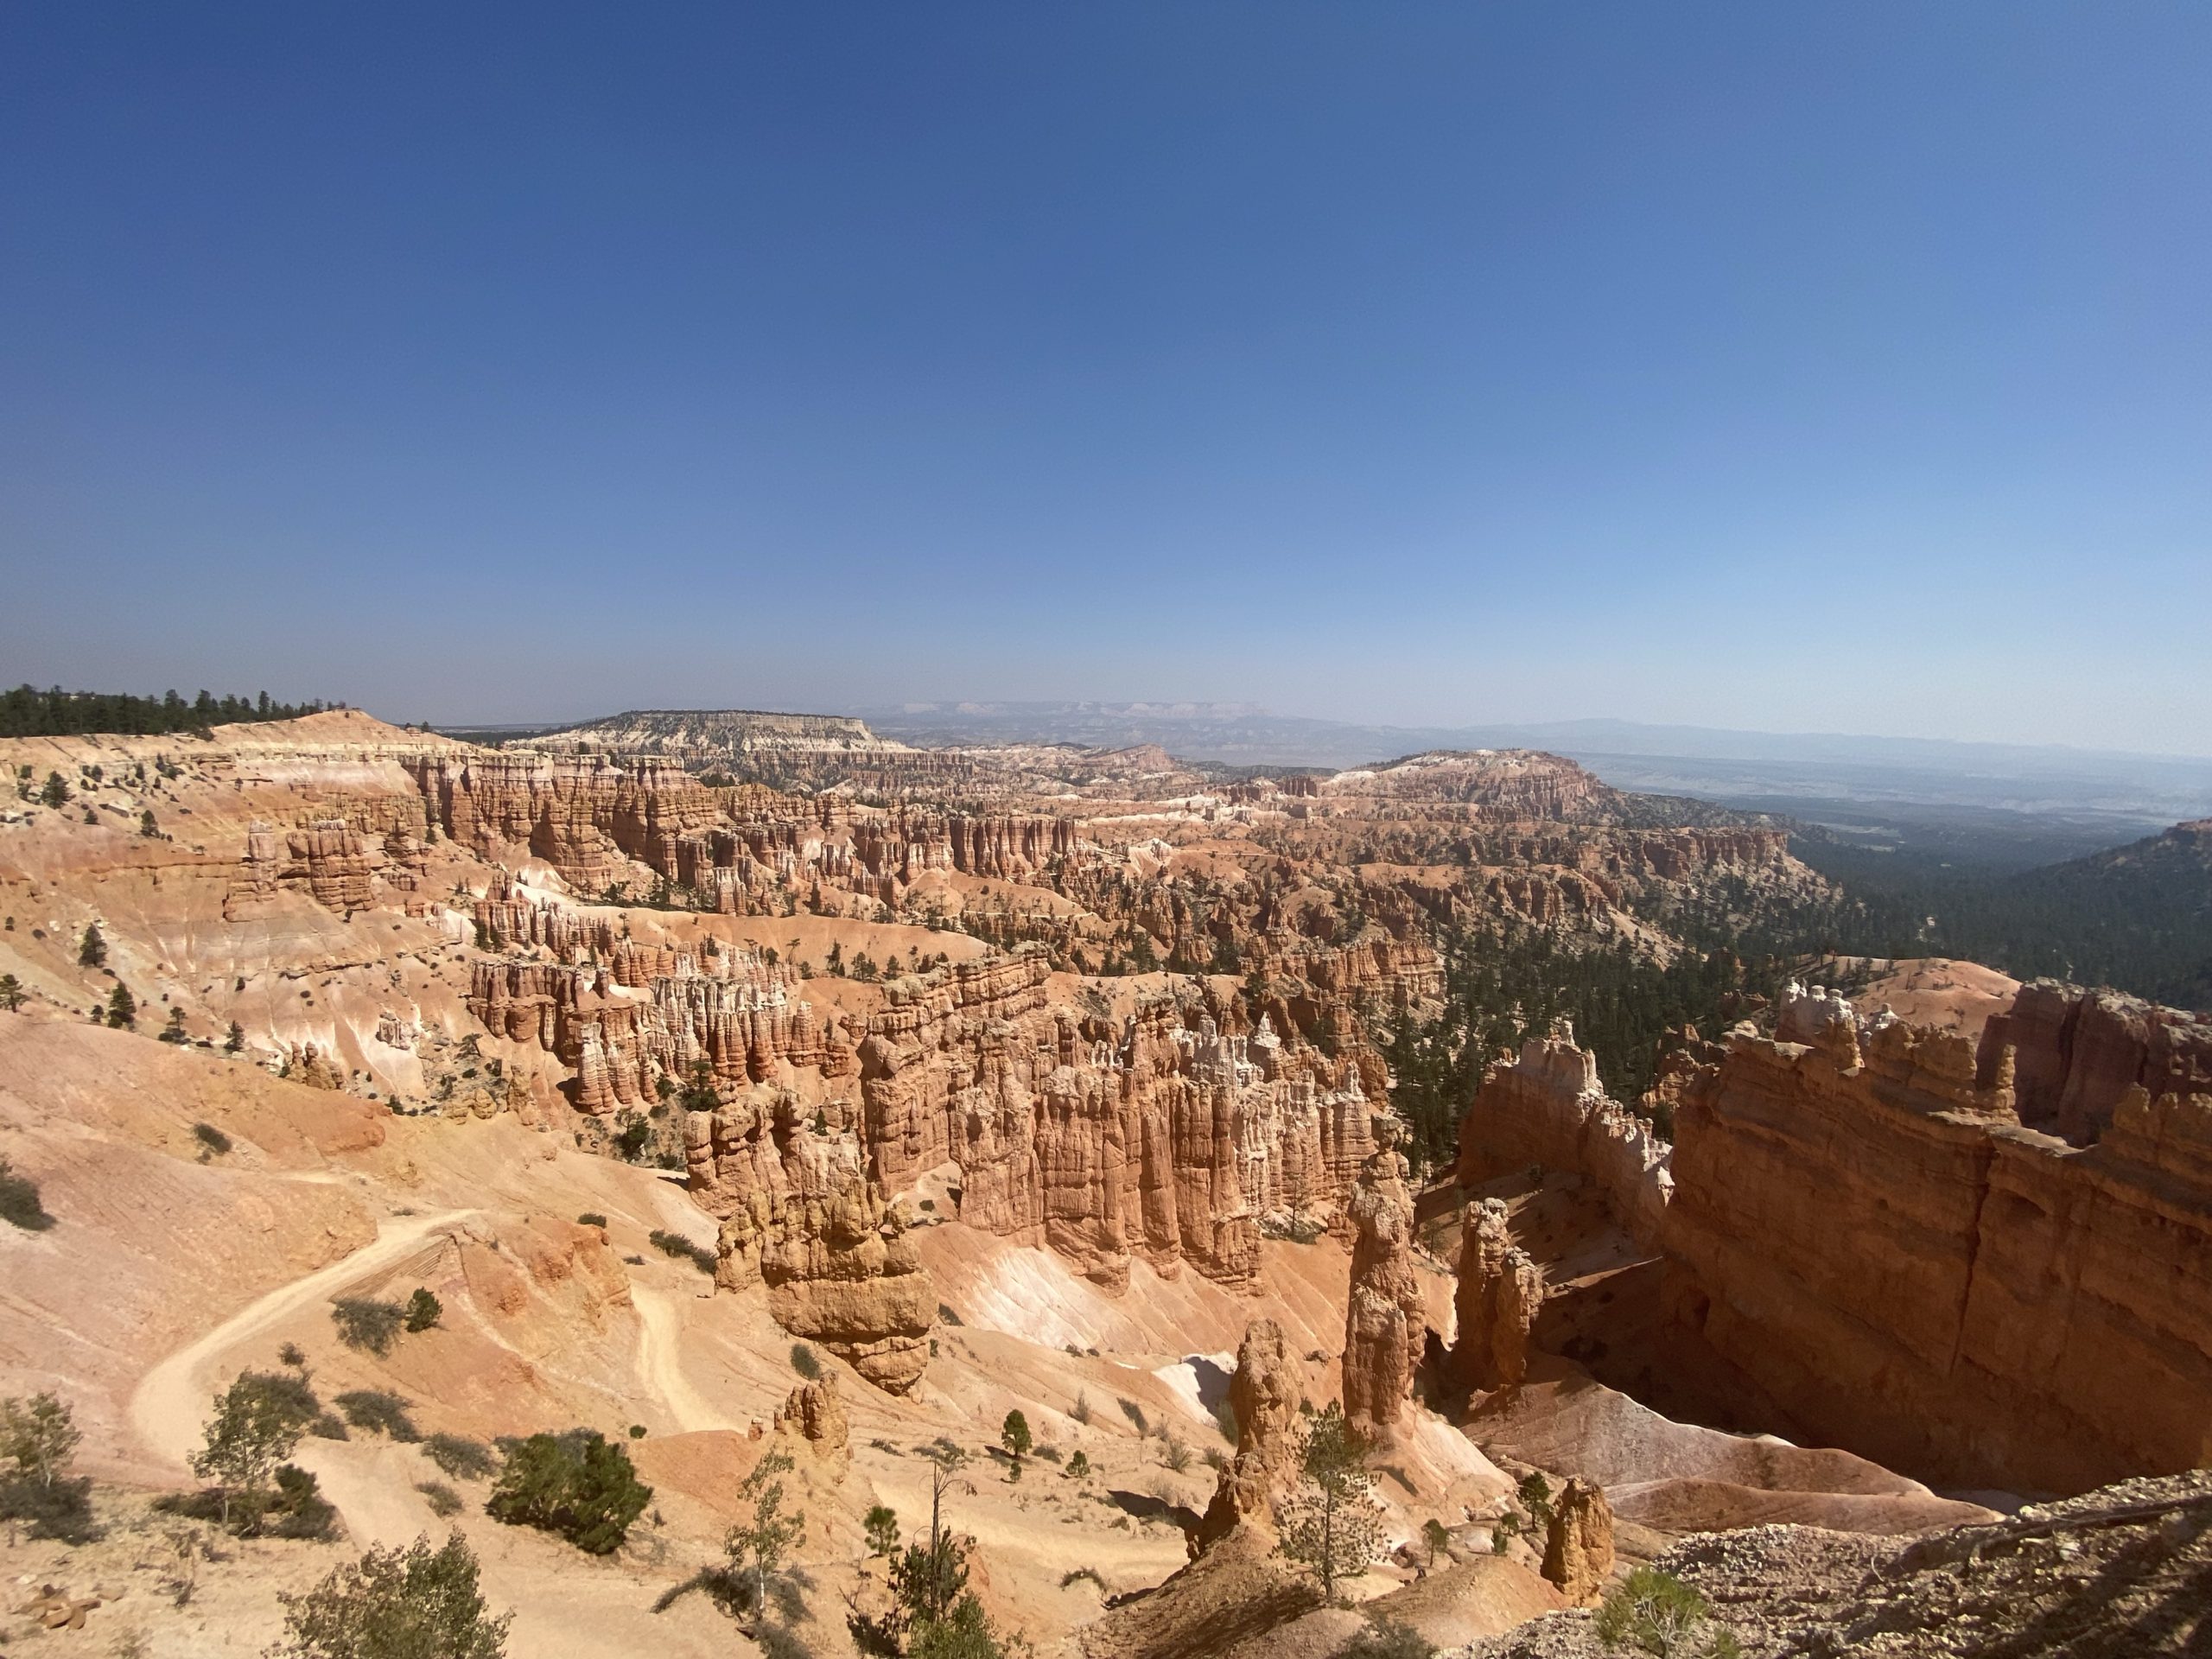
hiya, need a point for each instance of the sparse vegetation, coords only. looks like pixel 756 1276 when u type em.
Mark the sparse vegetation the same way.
pixel 19 1201
pixel 805 1361
pixel 442 1499
pixel 379 1413
pixel 675 1244
pixel 578 1484
pixel 1656 1613
pixel 591 1218
pixel 1388 1639
pixel 392 1604
pixel 1081 1410
pixel 1175 1454
pixel 212 1138
pixel 459 1456
pixel 423 1310
pixel 368 1323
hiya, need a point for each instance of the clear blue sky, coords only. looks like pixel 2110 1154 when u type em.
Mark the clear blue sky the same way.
pixel 1785 366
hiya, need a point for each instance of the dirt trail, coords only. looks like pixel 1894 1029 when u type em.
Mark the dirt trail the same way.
pixel 660 1366
pixel 169 1405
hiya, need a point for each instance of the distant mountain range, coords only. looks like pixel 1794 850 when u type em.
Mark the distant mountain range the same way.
pixel 2011 805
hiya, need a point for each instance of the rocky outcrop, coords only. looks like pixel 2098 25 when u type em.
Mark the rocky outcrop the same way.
pixel 1545 1109
pixel 331 862
pixel 1008 848
pixel 591 819
pixel 840 1270
pixel 1385 1326
pixel 1263 1397
pixel 1578 1543
pixel 1884 1249
pixel 1500 1291
pixel 2074 1053
pixel 812 1421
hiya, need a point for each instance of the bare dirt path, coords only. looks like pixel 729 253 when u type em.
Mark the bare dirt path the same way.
pixel 660 1366
pixel 169 1405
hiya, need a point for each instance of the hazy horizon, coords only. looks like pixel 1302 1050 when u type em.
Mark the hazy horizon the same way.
pixel 1757 369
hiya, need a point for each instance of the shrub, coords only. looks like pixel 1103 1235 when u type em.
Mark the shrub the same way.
pixel 443 1500
pixel 329 1427
pixel 1177 1453
pixel 299 1509
pixel 424 1310
pixel 396 1604
pixel 1660 1615
pixel 363 1322
pixel 1081 1410
pixel 1076 1575
pixel 212 1138
pixel 804 1362
pixel 946 1316
pixel 19 1200
pixel 379 1413
pixel 1134 1413
pixel 578 1484
pixel 1079 1467
pixel 1388 1639
pixel 676 1245
pixel 293 1355
pixel 591 1218
pixel 459 1456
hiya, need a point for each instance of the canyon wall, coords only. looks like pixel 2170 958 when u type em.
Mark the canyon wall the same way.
pixel 1862 1227
pixel 2075 1053
pixel 1545 1108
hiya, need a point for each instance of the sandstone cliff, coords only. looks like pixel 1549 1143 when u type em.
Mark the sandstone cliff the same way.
pixel 1545 1108
pixel 2010 1310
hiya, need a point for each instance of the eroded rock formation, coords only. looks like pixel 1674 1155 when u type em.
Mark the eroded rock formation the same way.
pixel 1499 1291
pixel 812 1419
pixel 840 1270
pixel 1385 1327
pixel 1578 1543
pixel 1263 1396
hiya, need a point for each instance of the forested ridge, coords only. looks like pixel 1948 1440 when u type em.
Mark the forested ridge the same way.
pixel 28 712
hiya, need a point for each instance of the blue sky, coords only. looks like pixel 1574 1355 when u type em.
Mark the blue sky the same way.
pixel 1783 367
